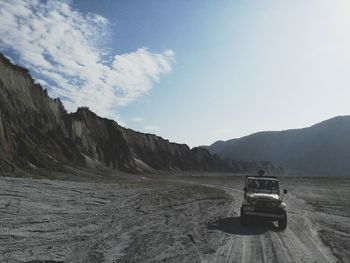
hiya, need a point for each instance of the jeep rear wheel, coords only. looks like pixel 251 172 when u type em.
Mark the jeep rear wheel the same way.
pixel 243 218
pixel 282 222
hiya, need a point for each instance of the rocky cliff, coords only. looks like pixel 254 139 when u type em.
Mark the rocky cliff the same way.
pixel 37 132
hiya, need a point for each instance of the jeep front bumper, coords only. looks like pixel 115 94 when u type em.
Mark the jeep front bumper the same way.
pixel 262 214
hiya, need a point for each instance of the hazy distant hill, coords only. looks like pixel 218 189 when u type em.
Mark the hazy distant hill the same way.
pixel 37 132
pixel 323 148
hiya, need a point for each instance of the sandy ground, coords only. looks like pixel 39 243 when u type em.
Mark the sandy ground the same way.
pixel 168 218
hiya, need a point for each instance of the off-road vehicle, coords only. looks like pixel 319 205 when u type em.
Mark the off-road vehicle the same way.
pixel 262 198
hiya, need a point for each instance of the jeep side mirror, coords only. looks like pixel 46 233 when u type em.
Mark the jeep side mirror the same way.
pixel 285 191
pixel 245 189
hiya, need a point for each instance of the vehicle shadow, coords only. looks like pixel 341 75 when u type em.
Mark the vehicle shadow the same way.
pixel 232 225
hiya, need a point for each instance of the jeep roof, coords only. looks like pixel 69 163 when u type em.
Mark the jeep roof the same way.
pixel 261 177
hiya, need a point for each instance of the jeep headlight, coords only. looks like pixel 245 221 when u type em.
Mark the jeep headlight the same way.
pixel 277 203
pixel 251 201
pixel 282 205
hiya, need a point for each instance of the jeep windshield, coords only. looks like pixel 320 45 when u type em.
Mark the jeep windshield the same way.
pixel 262 184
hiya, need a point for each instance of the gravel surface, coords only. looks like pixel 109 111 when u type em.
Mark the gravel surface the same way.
pixel 168 218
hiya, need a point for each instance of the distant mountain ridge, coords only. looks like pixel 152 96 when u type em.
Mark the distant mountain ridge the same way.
pixel 37 132
pixel 322 149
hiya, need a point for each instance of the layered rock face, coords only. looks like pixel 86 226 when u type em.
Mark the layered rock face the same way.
pixel 36 131
pixel 29 120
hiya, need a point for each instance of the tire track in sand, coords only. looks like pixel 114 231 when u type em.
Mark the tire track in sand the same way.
pixel 298 243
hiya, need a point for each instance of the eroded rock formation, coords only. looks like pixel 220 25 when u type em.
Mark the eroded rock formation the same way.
pixel 36 131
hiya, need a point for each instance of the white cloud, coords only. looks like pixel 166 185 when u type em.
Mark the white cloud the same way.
pixel 65 48
pixel 151 128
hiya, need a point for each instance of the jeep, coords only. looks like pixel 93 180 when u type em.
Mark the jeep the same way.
pixel 262 199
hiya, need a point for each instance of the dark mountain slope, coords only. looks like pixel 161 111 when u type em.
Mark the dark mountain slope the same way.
pixel 323 148
pixel 36 131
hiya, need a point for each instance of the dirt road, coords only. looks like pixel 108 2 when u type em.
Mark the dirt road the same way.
pixel 167 218
pixel 262 242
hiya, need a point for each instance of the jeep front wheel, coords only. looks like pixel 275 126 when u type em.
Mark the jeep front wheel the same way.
pixel 282 222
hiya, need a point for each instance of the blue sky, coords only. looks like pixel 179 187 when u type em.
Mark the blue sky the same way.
pixel 190 71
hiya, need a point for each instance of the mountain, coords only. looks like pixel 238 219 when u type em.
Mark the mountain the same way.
pixel 322 149
pixel 37 132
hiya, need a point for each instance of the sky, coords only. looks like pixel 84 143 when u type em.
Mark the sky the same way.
pixel 191 71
